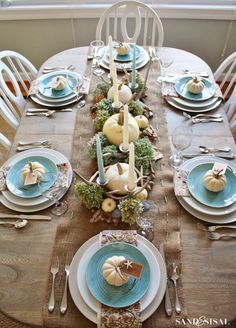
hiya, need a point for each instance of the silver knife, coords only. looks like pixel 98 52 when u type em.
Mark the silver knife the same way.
pixel 226 156
pixel 41 110
pixel 25 217
pixel 168 307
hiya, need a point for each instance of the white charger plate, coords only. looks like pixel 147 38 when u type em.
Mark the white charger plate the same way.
pixel 93 303
pixel 195 104
pixel 192 202
pixel 189 109
pixel 51 154
pixel 139 64
pixel 85 309
pixel 200 211
pixel 54 105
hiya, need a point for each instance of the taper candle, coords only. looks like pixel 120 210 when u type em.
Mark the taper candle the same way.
pixel 115 87
pixel 111 60
pixel 101 171
pixel 125 144
pixel 133 81
pixel 132 178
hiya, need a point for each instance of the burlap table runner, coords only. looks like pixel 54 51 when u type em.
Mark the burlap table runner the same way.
pixel 76 228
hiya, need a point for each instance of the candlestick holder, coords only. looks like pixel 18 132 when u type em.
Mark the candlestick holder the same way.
pixel 117 107
pixel 124 151
pixel 131 192
pixel 133 87
pixel 102 184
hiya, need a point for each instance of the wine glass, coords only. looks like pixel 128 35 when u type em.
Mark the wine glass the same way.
pixel 165 59
pixel 181 139
pixel 54 193
pixel 145 227
pixel 97 47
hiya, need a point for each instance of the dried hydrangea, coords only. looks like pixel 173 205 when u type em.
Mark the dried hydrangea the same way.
pixel 91 195
pixel 110 152
pixel 101 91
pixel 144 153
pixel 139 80
pixel 130 209
pixel 100 119
pixel 106 104
pixel 92 144
pixel 135 108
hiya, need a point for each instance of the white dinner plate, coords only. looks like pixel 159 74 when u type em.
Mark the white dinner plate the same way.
pixel 172 102
pixel 85 309
pixel 192 202
pixel 119 66
pixel 199 210
pixel 88 297
pixel 51 154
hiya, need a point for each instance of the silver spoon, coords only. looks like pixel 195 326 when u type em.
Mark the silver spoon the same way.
pixel 206 119
pixel 217 236
pixel 202 115
pixel 35 143
pixel 213 228
pixel 17 224
pixel 174 277
pixel 206 150
pixel 81 103
pixel 47 114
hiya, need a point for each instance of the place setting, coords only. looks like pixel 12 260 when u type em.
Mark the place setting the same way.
pixel 35 179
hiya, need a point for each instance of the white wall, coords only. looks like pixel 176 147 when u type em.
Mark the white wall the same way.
pixel 40 39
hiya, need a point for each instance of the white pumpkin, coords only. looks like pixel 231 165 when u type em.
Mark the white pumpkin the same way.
pixel 195 85
pixel 123 49
pixel 142 121
pixel 113 129
pixel 124 92
pixel 214 181
pixel 118 175
pixel 111 271
pixel 34 167
pixel 59 83
pixel 108 205
pixel 142 195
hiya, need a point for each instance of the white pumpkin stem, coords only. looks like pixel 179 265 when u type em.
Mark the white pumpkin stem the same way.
pixel 216 173
pixel 121 118
pixel 31 167
pixel 119 167
pixel 120 86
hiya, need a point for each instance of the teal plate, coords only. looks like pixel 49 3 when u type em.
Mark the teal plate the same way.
pixel 15 182
pixel 181 89
pixel 223 198
pixel 74 79
pixel 125 58
pixel 113 296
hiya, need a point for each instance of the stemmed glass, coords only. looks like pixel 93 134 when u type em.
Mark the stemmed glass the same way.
pixel 54 193
pixel 145 227
pixel 181 139
pixel 165 59
pixel 97 47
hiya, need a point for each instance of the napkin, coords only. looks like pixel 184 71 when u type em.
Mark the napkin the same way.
pixel 168 90
pixel 180 183
pixel 62 178
pixel 113 317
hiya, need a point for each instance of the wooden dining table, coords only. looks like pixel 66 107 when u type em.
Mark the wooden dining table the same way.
pixel 208 267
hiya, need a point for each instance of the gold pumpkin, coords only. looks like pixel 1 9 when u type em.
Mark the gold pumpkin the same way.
pixel 111 271
pixel 34 167
pixel 214 181
pixel 195 85
pixel 118 176
pixel 113 129
pixel 142 121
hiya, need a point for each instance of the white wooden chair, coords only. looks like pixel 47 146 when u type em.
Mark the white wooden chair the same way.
pixel 23 70
pixel 226 73
pixel 230 109
pixel 8 115
pixel 5 142
pixel 131 15
pixel 11 97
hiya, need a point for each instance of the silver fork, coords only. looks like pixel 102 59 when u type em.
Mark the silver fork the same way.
pixel 217 236
pixel 54 271
pixel 67 271
pixel 214 228
pixel 206 120
pixel 47 114
pixel 202 116
pixel 34 143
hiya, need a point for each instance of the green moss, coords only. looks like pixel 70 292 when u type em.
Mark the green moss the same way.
pixel 130 209
pixel 90 195
pixel 135 108
pixel 144 153
pixel 110 151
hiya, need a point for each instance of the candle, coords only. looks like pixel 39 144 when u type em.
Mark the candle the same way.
pixel 111 61
pixel 125 144
pixel 115 87
pixel 132 178
pixel 102 177
pixel 133 81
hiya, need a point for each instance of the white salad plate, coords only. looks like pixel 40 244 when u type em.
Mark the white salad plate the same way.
pixel 144 301
pixel 87 311
pixel 39 203
pixel 172 101
pixel 203 212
